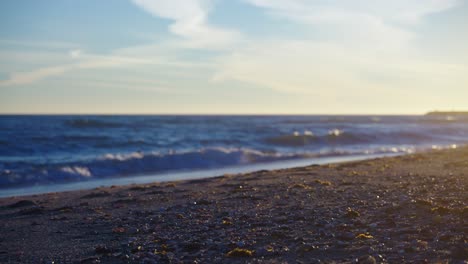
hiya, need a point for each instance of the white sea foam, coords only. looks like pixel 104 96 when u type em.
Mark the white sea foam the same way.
pixel 77 170
pixel 335 132
pixel 123 157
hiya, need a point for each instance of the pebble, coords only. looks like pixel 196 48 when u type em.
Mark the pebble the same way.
pixel 366 260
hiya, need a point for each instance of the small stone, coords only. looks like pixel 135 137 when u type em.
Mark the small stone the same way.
pixel 35 210
pixel 441 210
pixel 96 195
pixel 133 230
pixel 118 230
pixel 240 243
pixel 202 202
pixel 366 260
pixel 102 249
pixel 422 202
pixel 306 247
pixel 460 252
pixel 324 183
pixel 300 186
pixel 227 222
pixel 192 246
pixel 23 203
pixel 346 236
pixel 180 216
pixel 90 260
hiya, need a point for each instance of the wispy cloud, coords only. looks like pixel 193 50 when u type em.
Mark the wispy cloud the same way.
pixel 407 11
pixel 35 75
pixel 375 22
pixel 326 69
pixel 78 60
pixel 372 41
pixel 83 62
pixel 191 22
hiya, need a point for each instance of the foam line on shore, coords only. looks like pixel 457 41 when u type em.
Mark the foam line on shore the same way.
pixel 186 175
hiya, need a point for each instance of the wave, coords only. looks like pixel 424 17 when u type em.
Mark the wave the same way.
pixel 138 163
pixel 332 138
pixel 97 141
pixel 115 165
pixel 75 138
pixel 336 137
pixel 112 144
pixel 292 140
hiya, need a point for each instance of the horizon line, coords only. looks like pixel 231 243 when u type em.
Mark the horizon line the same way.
pixel 217 114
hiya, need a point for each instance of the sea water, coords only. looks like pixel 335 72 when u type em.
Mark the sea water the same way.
pixel 84 151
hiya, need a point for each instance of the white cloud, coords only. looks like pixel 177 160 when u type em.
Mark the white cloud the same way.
pixel 190 22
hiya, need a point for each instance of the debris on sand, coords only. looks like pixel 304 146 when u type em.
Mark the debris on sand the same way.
pixel 324 183
pixel 240 253
pixel 364 236
pixel 352 213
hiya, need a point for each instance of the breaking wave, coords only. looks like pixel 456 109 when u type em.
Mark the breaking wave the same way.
pixel 336 137
pixel 138 163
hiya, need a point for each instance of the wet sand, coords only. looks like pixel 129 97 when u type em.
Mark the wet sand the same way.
pixel 406 209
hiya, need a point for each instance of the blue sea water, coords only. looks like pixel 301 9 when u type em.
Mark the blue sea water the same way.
pixel 46 150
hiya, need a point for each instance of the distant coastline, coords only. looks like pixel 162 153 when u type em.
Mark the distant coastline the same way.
pixel 447 113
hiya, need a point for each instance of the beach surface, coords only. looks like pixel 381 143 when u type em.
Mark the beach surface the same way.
pixel 405 209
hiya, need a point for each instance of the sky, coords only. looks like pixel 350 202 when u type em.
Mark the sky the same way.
pixel 233 56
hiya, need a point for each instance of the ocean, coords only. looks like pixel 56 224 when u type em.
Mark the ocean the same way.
pixel 51 152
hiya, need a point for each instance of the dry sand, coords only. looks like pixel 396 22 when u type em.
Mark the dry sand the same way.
pixel 407 209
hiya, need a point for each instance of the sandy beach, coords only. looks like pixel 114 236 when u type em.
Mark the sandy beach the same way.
pixel 405 209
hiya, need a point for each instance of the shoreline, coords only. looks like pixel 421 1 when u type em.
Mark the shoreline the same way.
pixel 184 175
pixel 408 208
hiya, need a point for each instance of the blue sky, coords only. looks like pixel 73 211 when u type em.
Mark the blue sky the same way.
pixel 233 56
